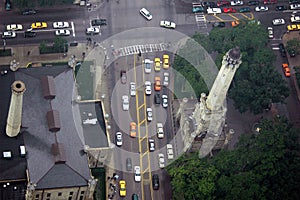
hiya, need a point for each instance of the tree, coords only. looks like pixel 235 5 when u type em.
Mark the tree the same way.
pixel 293 47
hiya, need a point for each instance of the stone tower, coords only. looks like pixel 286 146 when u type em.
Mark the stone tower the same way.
pixel 209 114
pixel 15 109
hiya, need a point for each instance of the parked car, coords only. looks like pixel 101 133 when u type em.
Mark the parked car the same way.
pixel 151 145
pixel 157 64
pixel 146 13
pixel 132 129
pixel 157 98
pixel 277 22
pixel 14 27
pixel 157 84
pixel 132 89
pixel 160 130
pixel 29 12
pixel 170 152
pixel 166 78
pixel 62 32
pixel 60 25
pixel 9 35
pixel 270 32
pixel 214 10
pixel 223 3
pixel 286 69
pixel 261 8
pixel 161 160
pixel 29 34
pixel 119 140
pixel 295 6
pixel 148 90
pixel 92 30
pixel 128 164
pixel 122 186
pixel 253 3
pixel 270 2
pixel 164 100
pixel 294 1
pixel 197 9
pixel 137 174
pixel 39 25
pixel 147 63
pixel 293 27
pixel 149 114
pixel 295 19
pixel 280 8
pixel 8 5
pixel 155 182
pixel 208 4
pixel 167 24
pixel 166 61
pixel 282 50
pixel 98 22
pixel 125 102
pixel 245 9
pixel 236 3
pixel 229 10
pixel 235 23
pixel 123 76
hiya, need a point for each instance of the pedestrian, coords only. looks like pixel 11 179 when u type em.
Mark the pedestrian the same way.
pixel 28 53
pixel 114 174
pixel 108 178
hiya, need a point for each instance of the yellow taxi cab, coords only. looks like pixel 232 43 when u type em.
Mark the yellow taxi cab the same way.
pixel 132 129
pixel 235 23
pixel 38 25
pixel 166 61
pixel 157 85
pixel 122 185
pixel 157 64
pixel 293 27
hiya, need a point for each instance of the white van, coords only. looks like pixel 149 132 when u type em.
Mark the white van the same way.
pixel 146 13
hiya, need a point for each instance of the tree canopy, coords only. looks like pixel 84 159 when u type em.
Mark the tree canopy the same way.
pixel 263 166
pixel 256 84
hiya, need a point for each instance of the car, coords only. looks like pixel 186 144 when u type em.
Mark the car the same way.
pixel 166 61
pixel 166 79
pixel 214 10
pixel 39 25
pixel 60 25
pixel 98 22
pixel 125 102
pixel 170 152
pixel 208 4
pixel 157 64
pixel 253 3
pixel 148 90
pixel 151 145
pixel 62 32
pixel 270 32
pixel 14 27
pixel 282 50
pixel 161 160
pixel 128 164
pixel 235 23
pixel 291 52
pixel 123 76
pixel 134 197
pixel 164 100
pixel 286 69
pixel 261 8
pixel 167 24
pixel 119 139
pixel 147 63
pixel 293 27
pixel 122 186
pixel 223 3
pixel 160 130
pixel 229 10
pixel 92 30
pixel 146 13
pixel 219 24
pixel 29 34
pixel 9 35
pixel 149 114
pixel 236 3
pixel 197 9
pixel 270 2
pixel 132 129
pixel 245 9
pixel 295 6
pixel 280 8
pixel 155 182
pixel 157 98
pixel 277 22
pixel 29 12
pixel 295 19
pixel 8 5
pixel 157 85
pixel 294 1
pixel 137 174
pixel 132 89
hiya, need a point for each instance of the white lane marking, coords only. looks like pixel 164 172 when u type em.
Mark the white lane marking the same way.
pixel 73 28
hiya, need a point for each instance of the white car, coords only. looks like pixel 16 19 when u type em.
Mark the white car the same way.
pixel 151 145
pixel 9 34
pixel 149 114
pixel 278 22
pixel 119 139
pixel 125 101
pixel 167 24
pixel 214 10
pixel 146 13
pixel 60 25
pixel 236 3
pixel 295 19
pixel 261 8
pixel 137 174
pixel 160 130
pixel 295 6
pixel 166 79
pixel 164 100
pixel 14 27
pixel 92 30
pixel 170 152
pixel 148 90
pixel 132 89
pixel 62 32
pixel 161 160
pixel 270 32
pixel 147 63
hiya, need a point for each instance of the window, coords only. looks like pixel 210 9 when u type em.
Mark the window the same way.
pixel 48 194
pixel 82 192
pixel 37 196
pixel 59 194
pixel 81 198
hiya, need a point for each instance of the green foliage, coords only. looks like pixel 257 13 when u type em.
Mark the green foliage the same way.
pixel 6 52
pixel 21 4
pixel 263 166
pixel 293 46
pixel 60 45
pixel 297 70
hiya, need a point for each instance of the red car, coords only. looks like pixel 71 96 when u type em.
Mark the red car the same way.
pixel 229 10
pixel 270 1
pixel 223 3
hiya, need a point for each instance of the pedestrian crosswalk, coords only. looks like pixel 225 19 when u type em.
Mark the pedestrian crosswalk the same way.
pixel 136 49
pixel 199 16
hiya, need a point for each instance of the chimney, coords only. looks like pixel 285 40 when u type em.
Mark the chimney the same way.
pixel 15 109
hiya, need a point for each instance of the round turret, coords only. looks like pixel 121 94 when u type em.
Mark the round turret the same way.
pixel 235 53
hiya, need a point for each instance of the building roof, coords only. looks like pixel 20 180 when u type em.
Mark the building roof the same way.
pixel 38 139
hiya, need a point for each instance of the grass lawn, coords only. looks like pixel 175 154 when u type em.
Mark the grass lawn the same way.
pixel 85 80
